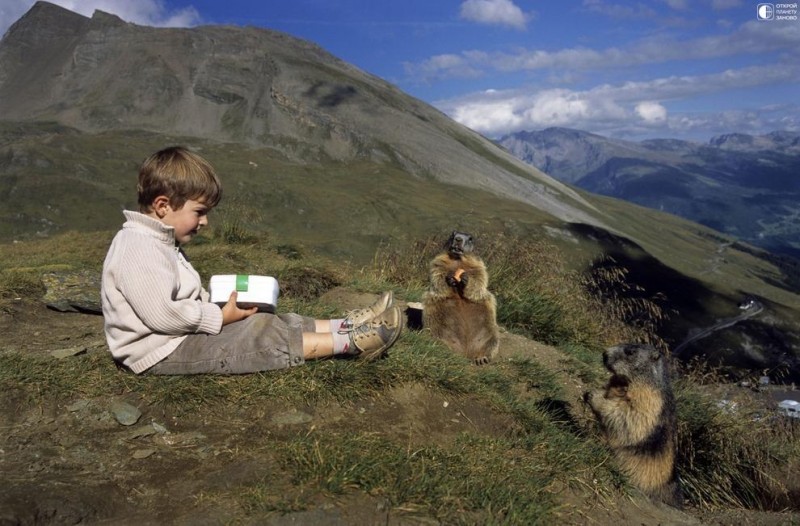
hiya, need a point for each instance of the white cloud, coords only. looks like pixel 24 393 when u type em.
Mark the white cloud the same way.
pixel 443 66
pixel 496 12
pixel 628 108
pixel 619 11
pixel 750 38
pixel 143 12
pixel 489 115
pixel 651 112
pixel 496 112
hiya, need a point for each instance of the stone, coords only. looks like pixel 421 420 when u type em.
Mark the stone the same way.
pixel 125 413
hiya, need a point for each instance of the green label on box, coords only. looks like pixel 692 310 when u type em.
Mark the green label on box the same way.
pixel 242 282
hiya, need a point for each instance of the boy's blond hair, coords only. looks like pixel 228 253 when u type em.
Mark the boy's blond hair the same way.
pixel 180 175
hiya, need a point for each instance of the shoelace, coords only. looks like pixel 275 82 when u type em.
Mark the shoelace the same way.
pixel 350 315
pixel 364 331
pixel 347 325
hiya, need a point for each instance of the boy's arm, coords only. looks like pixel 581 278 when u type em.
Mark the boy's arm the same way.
pixel 149 285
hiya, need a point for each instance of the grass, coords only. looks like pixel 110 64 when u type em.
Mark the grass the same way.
pixel 510 475
pixel 745 457
pixel 490 479
pixel 539 295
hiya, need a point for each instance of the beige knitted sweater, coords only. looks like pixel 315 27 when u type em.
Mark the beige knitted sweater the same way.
pixel 152 296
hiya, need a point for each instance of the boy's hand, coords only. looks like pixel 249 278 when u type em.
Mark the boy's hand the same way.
pixel 232 313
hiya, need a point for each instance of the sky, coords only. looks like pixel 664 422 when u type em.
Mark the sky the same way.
pixel 683 69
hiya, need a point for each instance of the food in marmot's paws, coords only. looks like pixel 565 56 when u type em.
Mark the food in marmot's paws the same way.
pixel 458 273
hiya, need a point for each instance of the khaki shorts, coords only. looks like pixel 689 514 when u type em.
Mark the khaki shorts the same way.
pixel 260 342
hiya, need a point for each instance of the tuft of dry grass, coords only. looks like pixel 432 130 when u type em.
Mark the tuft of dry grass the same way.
pixel 739 455
pixel 538 295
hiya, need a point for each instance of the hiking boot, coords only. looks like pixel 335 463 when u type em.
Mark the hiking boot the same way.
pixel 373 339
pixel 358 317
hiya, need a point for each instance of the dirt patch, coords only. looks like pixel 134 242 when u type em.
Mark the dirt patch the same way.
pixel 551 358
pixel 28 325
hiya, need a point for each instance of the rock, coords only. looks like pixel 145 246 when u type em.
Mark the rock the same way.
pixel 291 418
pixel 73 291
pixel 161 430
pixel 142 431
pixel 66 353
pixel 125 413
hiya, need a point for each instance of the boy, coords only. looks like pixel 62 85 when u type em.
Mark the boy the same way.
pixel 157 316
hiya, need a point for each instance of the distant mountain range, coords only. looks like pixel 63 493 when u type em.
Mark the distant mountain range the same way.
pixel 747 186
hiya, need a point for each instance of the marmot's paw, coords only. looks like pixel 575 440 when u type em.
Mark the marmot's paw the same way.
pixel 587 397
pixel 483 360
pixel 452 281
pixel 464 280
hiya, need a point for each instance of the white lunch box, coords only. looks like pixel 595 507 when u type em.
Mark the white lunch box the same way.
pixel 254 291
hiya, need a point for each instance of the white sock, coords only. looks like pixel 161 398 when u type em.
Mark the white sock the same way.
pixel 341 342
pixel 337 325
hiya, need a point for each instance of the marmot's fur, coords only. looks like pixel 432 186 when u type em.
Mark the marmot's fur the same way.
pixel 458 307
pixel 637 412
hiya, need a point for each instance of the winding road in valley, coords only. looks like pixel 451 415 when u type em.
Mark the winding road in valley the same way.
pixel 754 309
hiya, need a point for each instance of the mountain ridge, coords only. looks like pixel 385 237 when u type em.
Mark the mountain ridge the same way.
pixel 738 184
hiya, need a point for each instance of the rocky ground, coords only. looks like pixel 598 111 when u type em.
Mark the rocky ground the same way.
pixel 117 460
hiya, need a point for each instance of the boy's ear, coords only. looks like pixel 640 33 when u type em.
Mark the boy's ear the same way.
pixel 160 205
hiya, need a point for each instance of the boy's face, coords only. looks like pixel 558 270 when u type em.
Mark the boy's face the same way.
pixel 186 220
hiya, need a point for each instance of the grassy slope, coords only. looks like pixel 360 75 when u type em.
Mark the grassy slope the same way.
pixel 345 209
pixel 517 448
pixel 54 179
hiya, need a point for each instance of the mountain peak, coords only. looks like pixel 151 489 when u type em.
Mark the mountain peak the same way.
pixel 42 10
pixel 777 140
pixel 566 153
pixel 731 139
pixel 43 22
pixel 103 19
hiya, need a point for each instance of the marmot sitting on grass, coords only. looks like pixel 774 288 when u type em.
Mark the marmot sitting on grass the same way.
pixel 458 308
pixel 637 412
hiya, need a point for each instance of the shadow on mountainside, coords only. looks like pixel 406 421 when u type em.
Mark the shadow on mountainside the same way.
pixel 692 307
pixel 118 459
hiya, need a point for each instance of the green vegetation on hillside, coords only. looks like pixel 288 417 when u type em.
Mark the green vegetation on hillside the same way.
pixel 537 442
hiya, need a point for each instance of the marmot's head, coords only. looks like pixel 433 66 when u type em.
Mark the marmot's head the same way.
pixel 459 243
pixel 631 362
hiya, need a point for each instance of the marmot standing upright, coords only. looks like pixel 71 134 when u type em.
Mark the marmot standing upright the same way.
pixel 458 307
pixel 637 412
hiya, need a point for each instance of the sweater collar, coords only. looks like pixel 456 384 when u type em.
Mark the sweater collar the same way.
pixel 154 227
